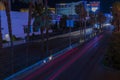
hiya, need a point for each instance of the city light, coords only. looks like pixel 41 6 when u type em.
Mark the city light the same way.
pixel 44 61
pixel 94 9
pixel 50 58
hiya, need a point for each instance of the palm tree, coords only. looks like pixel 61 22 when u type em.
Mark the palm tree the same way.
pixel 29 18
pixel 92 19
pixel 81 11
pixel 42 19
pixel 1 39
pixel 7 9
pixel 30 2
pixel 116 15
pixel 101 19
pixel 38 10
pixel 63 22
pixel 47 23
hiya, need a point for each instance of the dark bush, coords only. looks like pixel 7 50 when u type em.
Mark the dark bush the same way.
pixel 4 41
pixel 112 58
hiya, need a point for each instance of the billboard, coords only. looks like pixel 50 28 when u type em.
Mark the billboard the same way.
pixel 95 6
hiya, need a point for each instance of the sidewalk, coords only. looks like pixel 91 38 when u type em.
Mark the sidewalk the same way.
pixel 74 33
pixel 14 43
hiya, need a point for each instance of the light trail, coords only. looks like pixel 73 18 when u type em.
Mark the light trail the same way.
pixel 73 60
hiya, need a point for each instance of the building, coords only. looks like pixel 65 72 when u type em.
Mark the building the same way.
pixel 18 19
pixel 67 8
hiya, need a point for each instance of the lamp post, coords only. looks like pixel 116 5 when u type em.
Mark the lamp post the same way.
pixel 94 9
pixel 70 24
pixel 70 36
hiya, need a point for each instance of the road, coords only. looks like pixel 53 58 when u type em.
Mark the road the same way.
pixel 76 64
pixel 23 58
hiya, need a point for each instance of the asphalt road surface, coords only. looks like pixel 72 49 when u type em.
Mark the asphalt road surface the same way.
pixel 76 64
pixel 25 56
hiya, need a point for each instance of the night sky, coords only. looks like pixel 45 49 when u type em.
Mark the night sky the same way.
pixel 105 4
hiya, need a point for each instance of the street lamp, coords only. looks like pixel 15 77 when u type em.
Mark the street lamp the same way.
pixel 70 24
pixel 94 10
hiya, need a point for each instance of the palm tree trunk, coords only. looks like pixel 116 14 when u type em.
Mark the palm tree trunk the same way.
pixel 0 32
pixel 46 25
pixel 42 39
pixel 9 21
pixel 80 28
pixel 85 29
pixel 28 28
pixel 42 34
pixel 118 25
pixel 29 19
pixel 7 8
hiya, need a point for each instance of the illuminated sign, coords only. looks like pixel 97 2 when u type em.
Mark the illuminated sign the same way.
pixel 95 4
pixel 94 9
pixel 70 23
